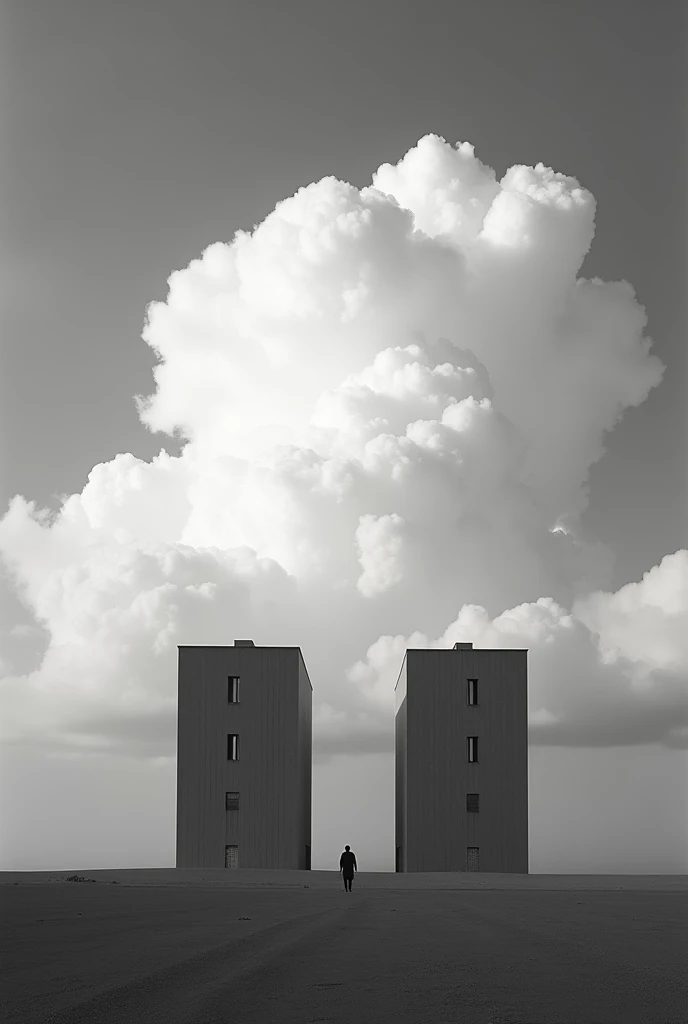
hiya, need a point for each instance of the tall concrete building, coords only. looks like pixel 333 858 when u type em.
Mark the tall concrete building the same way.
pixel 243 757
pixel 461 752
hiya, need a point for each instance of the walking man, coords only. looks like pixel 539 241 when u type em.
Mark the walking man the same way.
pixel 347 866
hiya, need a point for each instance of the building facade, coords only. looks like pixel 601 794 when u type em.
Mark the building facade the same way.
pixel 244 754
pixel 461 760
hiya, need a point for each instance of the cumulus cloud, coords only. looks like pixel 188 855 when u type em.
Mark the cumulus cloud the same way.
pixel 644 623
pixel 596 675
pixel 391 399
pixel 380 541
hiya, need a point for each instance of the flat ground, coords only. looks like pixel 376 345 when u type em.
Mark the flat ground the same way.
pixel 269 947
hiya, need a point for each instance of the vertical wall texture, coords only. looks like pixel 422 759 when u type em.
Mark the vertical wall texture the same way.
pixel 433 774
pixel 305 764
pixel 400 776
pixel 274 710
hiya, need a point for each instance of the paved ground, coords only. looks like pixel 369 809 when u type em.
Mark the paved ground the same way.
pixel 80 953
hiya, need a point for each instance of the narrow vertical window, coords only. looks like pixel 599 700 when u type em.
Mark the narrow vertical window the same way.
pixel 233 689
pixel 472 748
pixel 472 691
pixel 233 747
pixel 473 802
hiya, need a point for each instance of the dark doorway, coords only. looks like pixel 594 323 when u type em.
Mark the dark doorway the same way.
pixel 308 858
pixel 397 862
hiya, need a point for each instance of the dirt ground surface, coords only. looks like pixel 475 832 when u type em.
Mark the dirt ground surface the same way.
pixel 269 947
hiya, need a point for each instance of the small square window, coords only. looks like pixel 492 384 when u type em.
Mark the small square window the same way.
pixel 473 802
pixel 232 801
pixel 472 691
pixel 233 689
pixel 472 748
pixel 233 747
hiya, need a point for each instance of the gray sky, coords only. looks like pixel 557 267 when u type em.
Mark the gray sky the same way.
pixel 139 133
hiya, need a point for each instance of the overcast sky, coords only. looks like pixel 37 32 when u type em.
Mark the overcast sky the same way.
pixel 140 134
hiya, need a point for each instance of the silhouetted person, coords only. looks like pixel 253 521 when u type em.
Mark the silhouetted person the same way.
pixel 347 866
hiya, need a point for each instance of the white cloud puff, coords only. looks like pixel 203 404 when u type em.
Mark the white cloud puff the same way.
pixel 644 623
pixel 390 397
pixel 380 543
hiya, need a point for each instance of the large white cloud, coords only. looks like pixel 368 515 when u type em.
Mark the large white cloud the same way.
pixel 392 398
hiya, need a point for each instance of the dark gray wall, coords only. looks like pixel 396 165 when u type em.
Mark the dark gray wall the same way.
pixel 272 825
pixel 305 761
pixel 400 726
pixel 432 805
